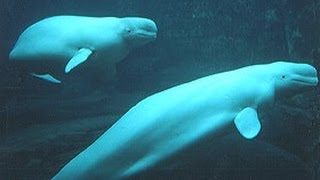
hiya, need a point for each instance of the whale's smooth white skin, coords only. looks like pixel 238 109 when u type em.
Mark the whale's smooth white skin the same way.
pixel 52 47
pixel 165 123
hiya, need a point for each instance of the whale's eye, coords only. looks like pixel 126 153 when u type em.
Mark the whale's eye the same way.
pixel 128 30
pixel 283 77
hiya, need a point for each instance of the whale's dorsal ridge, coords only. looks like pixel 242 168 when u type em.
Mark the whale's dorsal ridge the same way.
pixel 247 123
pixel 81 56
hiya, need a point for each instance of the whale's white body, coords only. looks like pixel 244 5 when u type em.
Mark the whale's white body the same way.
pixel 52 47
pixel 162 124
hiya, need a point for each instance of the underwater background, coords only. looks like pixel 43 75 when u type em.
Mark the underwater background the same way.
pixel 43 126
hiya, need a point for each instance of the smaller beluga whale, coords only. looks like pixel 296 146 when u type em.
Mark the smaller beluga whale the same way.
pixel 162 125
pixel 54 47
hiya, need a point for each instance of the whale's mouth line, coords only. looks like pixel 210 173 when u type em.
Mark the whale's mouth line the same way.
pixel 150 35
pixel 308 81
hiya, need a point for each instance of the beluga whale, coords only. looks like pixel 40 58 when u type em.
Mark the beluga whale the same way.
pixel 53 47
pixel 164 124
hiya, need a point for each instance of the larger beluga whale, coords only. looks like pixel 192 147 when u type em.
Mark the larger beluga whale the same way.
pixel 53 47
pixel 165 123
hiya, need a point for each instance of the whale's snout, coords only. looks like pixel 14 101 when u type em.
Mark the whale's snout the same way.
pixel 292 78
pixel 151 27
pixel 306 75
pixel 139 31
pixel 146 28
pixel 307 81
pixel 141 26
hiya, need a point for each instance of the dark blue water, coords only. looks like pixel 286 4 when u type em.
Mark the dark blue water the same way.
pixel 43 126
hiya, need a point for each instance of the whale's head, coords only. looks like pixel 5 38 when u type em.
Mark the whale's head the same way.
pixel 291 78
pixel 138 31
